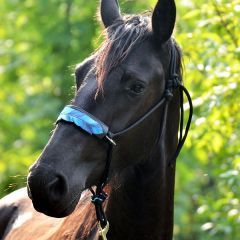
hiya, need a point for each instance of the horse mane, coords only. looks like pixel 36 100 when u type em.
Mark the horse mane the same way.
pixel 120 38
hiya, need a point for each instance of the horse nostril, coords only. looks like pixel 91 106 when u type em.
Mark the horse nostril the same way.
pixel 58 188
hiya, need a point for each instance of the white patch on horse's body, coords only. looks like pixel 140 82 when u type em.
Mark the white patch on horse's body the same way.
pixel 15 196
pixel 83 194
pixel 22 219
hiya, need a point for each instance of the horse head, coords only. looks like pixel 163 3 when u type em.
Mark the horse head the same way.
pixel 118 85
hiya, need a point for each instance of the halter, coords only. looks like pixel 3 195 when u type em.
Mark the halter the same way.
pixel 94 126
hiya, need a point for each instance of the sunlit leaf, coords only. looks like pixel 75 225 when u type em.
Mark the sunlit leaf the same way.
pixel 192 13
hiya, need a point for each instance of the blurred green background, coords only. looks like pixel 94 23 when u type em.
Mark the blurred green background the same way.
pixel 42 41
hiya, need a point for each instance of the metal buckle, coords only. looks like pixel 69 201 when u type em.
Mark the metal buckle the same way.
pixel 109 139
pixel 103 232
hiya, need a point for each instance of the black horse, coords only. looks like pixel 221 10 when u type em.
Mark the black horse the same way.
pixel 132 84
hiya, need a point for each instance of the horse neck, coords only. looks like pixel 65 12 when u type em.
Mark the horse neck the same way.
pixel 141 197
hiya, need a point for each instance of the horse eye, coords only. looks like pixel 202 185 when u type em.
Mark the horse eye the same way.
pixel 137 88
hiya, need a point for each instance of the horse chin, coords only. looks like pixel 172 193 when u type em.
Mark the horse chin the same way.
pixel 61 210
pixel 67 211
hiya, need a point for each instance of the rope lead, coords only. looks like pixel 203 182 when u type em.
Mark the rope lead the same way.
pixel 100 196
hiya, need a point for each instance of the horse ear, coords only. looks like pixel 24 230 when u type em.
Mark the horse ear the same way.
pixel 163 20
pixel 109 11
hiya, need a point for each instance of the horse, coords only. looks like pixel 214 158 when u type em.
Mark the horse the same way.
pixel 118 139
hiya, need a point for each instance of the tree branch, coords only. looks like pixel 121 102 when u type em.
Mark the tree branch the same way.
pixel 225 25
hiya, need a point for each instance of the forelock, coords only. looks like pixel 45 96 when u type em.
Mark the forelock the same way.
pixel 121 38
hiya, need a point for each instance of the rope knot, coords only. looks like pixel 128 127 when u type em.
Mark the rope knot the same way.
pixel 173 76
pixel 173 82
pixel 168 95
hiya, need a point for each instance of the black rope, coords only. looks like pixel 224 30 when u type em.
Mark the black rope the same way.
pixel 140 120
pixel 100 196
pixel 173 83
pixel 183 138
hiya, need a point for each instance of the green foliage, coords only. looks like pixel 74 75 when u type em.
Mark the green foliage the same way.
pixel 207 181
pixel 40 44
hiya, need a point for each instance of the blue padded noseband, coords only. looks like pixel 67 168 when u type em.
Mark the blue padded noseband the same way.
pixel 86 121
pixel 83 120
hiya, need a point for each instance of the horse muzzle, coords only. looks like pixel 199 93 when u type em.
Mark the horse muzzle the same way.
pixel 49 191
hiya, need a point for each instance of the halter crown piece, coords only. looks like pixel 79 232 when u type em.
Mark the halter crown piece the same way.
pixel 94 126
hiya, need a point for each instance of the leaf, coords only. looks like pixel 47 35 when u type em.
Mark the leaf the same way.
pixel 192 14
pixel 235 2
pixel 212 35
pixel 202 23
